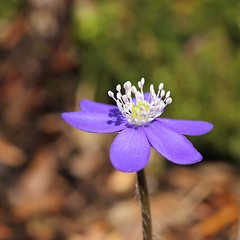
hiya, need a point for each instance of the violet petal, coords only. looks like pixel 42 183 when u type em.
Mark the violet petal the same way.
pixel 130 150
pixel 95 122
pixel 172 145
pixel 187 127
pixel 91 106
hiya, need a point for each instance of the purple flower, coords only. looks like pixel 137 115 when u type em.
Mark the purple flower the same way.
pixel 136 120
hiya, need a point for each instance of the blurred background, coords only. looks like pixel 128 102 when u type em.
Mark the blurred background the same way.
pixel 57 182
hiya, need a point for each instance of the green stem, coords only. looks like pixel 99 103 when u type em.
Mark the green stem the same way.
pixel 145 205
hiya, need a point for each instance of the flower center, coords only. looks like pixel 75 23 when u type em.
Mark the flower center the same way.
pixel 143 108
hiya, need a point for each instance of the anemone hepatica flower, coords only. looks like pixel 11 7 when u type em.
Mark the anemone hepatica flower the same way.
pixel 136 118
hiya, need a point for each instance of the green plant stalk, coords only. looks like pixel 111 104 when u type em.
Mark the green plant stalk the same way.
pixel 145 205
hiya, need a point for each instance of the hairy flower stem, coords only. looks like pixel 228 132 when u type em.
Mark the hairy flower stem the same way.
pixel 145 205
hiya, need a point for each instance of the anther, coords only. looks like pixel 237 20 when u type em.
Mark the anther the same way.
pixel 142 81
pixel 152 91
pixel 168 101
pixel 111 94
pixel 167 94
pixel 127 85
pixel 160 87
pixel 162 93
pixel 134 90
pixel 118 87
pixel 119 95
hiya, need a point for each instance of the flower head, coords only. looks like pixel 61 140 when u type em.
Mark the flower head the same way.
pixel 136 117
pixel 140 111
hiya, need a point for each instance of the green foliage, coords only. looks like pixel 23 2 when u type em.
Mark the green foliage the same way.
pixel 191 46
pixel 8 8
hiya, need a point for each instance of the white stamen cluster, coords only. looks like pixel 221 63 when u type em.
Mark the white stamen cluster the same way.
pixel 140 111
